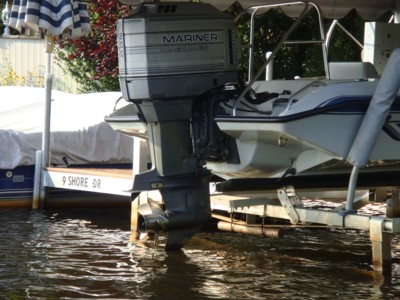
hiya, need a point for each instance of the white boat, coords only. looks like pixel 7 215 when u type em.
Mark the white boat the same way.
pixel 198 122
pixel 280 135
pixel 311 131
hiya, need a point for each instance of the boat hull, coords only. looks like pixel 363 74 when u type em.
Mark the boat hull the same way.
pixel 268 147
pixel 16 191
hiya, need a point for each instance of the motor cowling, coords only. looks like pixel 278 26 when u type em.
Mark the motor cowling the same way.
pixel 170 50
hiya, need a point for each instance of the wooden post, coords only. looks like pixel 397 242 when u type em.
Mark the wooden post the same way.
pixel 393 204
pixel 37 180
pixel 272 232
pixel 381 246
pixel 134 219
pixel 380 194
pixel 43 193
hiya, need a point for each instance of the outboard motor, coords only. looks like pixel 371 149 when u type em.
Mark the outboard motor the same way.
pixel 169 54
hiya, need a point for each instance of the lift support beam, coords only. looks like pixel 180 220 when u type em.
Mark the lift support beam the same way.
pixel 381 228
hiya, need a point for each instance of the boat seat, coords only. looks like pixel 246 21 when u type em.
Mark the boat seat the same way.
pixel 352 70
pixel 279 105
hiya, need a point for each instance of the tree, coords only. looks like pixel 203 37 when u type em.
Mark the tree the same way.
pixel 93 60
pixel 304 60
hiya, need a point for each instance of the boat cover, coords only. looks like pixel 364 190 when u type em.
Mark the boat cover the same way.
pixel 79 134
pixel 378 109
pixel 331 9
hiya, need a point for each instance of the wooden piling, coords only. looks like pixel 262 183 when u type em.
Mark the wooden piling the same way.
pixel 134 219
pixel 381 240
pixel 253 230
pixel 393 204
pixel 381 246
pixel 37 180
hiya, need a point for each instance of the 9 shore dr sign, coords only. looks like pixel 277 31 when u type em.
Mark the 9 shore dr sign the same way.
pixel 91 183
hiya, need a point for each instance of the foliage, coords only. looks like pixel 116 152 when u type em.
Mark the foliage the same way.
pixel 2 5
pixel 10 78
pixel 342 48
pixel 93 60
pixel 304 60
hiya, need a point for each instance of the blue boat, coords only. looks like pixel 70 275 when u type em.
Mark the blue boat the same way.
pixel 85 140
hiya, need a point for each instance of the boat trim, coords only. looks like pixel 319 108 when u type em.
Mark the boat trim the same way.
pixel 334 108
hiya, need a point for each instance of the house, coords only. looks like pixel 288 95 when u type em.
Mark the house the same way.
pixel 23 62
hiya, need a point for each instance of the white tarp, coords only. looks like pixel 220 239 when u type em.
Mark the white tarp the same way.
pixel 79 134
pixel 332 9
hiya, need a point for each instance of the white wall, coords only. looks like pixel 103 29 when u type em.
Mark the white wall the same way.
pixel 26 57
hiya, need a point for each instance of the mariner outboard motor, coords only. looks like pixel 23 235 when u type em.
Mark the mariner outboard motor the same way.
pixel 169 54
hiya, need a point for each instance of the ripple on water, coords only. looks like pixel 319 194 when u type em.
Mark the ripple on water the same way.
pixel 86 255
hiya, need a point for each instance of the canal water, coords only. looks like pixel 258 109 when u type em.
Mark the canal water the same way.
pixel 86 254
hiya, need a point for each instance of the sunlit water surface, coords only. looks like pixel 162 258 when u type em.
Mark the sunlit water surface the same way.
pixel 87 255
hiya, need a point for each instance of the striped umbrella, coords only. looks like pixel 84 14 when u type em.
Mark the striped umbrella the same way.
pixel 54 19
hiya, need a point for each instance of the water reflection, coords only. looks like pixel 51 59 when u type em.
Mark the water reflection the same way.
pixel 86 255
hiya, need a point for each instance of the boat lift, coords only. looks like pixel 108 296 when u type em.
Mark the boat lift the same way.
pixel 289 207
pixel 286 206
